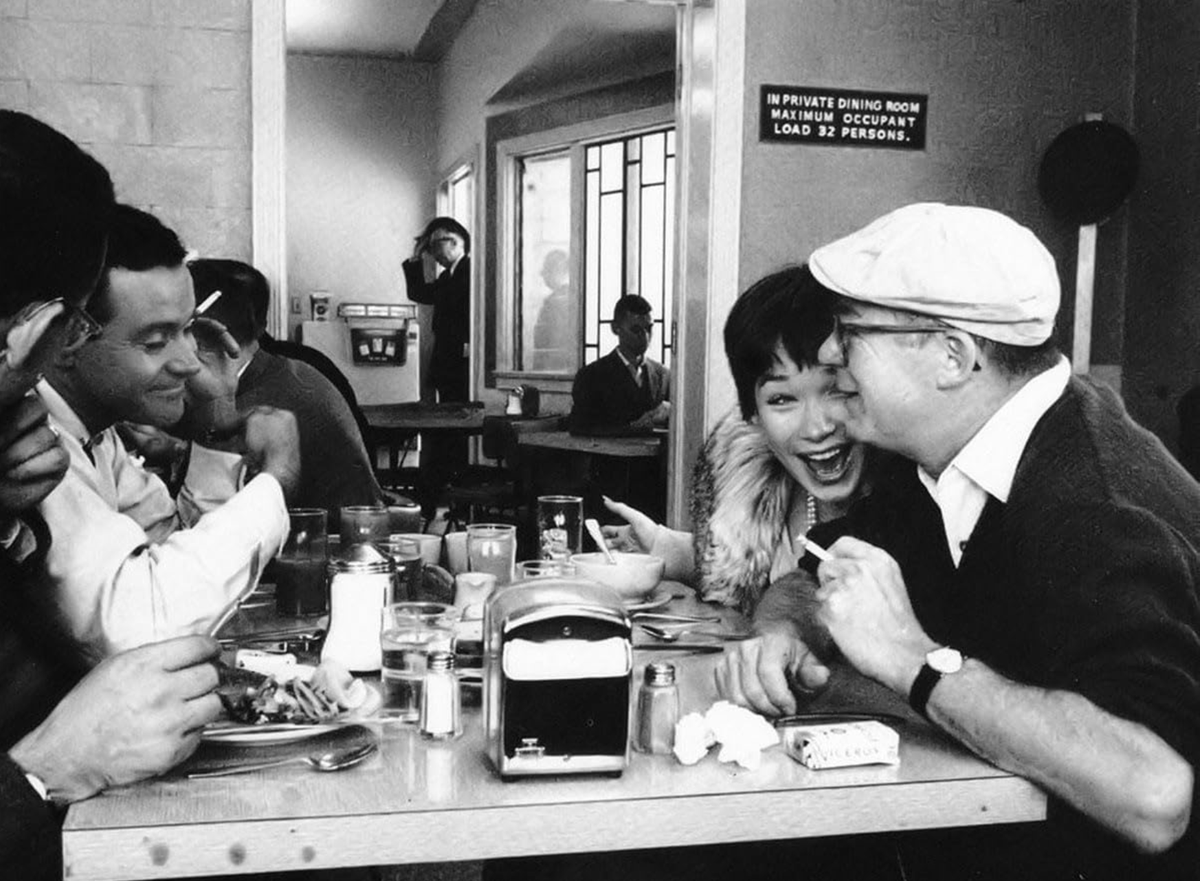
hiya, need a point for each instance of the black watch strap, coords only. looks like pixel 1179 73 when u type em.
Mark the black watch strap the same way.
pixel 922 687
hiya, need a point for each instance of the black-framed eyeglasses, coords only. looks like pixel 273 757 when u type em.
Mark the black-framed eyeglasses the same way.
pixel 843 330
pixel 77 326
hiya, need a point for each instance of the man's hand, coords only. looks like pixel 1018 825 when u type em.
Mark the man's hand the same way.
pixel 272 443
pixel 864 604
pixel 136 715
pixel 765 672
pixel 212 391
pixel 661 415
pixel 32 460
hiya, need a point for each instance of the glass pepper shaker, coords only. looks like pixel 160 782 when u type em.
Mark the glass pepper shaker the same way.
pixel 441 698
pixel 657 710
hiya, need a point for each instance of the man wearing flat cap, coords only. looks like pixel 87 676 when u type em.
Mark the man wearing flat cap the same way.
pixel 1026 575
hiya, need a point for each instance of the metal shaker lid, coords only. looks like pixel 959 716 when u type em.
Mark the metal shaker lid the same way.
pixel 361 558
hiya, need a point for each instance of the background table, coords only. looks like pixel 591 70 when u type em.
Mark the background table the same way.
pixel 421 801
pixel 628 469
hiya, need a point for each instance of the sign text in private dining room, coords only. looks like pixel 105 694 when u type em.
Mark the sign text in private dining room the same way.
pixel 842 117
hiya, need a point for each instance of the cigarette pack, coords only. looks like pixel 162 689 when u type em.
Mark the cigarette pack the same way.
pixel 843 744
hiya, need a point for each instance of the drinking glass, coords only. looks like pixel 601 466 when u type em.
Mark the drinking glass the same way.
pixel 471 590
pixel 492 547
pixel 456 551
pixel 404 516
pixel 300 566
pixel 363 523
pixel 410 631
pixel 406 554
pixel 544 569
pixel 560 526
pixel 429 546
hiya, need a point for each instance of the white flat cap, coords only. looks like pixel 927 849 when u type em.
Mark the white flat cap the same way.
pixel 973 268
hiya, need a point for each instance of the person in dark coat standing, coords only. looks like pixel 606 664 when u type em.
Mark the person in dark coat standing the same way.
pixel 448 245
pixel 444 245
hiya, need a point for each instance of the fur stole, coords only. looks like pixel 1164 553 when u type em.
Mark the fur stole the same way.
pixel 741 497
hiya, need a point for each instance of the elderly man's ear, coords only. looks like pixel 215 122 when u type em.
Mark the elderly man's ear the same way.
pixel 961 357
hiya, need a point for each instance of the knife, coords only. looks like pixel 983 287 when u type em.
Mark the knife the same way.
pixel 705 648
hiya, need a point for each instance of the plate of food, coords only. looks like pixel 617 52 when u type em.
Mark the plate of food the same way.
pixel 265 709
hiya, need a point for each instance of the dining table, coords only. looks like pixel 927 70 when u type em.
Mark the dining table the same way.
pixel 425 801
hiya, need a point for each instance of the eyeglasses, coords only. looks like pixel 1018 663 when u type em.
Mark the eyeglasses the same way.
pixel 77 326
pixel 844 330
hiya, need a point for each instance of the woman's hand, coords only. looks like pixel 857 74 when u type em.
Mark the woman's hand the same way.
pixel 637 537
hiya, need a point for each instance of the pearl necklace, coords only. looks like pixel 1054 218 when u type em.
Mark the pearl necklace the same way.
pixel 810 512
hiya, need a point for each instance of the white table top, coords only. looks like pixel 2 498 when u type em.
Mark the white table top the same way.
pixel 417 801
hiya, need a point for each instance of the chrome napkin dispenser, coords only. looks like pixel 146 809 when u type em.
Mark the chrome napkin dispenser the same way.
pixel 558 663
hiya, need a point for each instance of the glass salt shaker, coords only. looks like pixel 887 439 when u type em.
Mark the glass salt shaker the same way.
pixel 657 710
pixel 441 698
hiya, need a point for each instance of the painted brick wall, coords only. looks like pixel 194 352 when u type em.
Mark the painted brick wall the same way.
pixel 157 90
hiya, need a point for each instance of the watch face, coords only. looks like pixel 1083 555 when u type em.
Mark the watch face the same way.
pixel 945 660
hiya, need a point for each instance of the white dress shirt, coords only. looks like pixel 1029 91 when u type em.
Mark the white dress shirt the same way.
pixel 123 569
pixel 987 464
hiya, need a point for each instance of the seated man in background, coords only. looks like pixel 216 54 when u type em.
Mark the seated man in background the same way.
pixel 337 470
pixel 140 712
pixel 122 570
pixel 624 392
pixel 1027 576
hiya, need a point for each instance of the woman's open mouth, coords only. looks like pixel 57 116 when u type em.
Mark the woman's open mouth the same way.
pixel 828 466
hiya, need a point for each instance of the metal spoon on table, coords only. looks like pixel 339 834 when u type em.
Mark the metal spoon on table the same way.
pixel 333 760
pixel 675 635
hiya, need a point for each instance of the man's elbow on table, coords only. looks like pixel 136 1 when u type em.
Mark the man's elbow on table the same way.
pixel 1159 805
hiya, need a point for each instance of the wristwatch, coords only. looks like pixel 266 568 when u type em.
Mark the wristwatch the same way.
pixel 938 663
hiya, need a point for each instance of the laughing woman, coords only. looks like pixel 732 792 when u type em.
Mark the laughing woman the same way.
pixel 770 472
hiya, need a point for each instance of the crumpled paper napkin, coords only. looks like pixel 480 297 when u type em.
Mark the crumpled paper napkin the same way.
pixel 742 734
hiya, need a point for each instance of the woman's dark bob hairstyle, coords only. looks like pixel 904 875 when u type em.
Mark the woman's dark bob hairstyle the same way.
pixel 787 307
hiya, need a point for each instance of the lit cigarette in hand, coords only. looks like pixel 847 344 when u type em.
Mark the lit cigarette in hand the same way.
pixel 208 301
pixel 810 547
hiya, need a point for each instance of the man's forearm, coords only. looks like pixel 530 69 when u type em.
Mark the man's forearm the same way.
pixel 1115 771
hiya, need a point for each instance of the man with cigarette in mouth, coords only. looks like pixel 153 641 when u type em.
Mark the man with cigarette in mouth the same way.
pixel 123 567
pixel 1026 576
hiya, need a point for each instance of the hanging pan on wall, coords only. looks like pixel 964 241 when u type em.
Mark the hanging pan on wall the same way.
pixel 1085 175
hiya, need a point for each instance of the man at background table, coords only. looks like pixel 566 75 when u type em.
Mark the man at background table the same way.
pixel 138 713
pixel 624 392
pixel 337 470
pixel 121 570
pixel 1027 577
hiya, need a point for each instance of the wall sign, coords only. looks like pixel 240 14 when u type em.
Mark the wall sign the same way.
pixel 810 115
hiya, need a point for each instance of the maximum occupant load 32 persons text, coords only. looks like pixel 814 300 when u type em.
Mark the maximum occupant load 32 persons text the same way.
pixel 833 116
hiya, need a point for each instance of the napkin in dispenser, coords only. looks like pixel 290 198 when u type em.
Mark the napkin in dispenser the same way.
pixel 558 663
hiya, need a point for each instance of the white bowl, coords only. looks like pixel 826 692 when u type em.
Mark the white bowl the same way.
pixel 633 576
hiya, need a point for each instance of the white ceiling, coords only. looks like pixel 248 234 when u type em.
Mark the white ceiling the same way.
pixel 390 28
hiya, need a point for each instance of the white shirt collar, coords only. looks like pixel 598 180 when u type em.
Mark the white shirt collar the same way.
pixel 62 413
pixel 988 463
pixel 632 365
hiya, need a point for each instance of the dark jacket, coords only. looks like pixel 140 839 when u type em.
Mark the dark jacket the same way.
pixel 605 398
pixel 450 296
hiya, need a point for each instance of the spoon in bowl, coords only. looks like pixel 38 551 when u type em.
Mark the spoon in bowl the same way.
pixel 333 760
pixel 593 528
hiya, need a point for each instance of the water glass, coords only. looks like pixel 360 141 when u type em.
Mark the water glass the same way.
pixel 410 631
pixel 404 516
pixel 492 547
pixel 361 523
pixel 560 526
pixel 527 569
pixel 406 554
pixel 471 590
pixel 456 551
pixel 429 546
pixel 300 566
